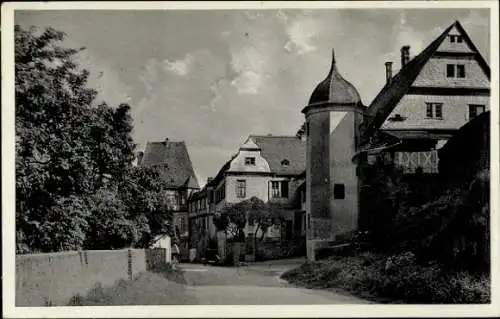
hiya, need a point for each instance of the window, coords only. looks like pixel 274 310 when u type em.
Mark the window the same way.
pixel 249 160
pixel 457 70
pixel 455 38
pixel 439 110
pixel 220 193
pixel 241 188
pixel 475 110
pixel 275 189
pixel 429 110
pixel 339 191
pixel 279 189
pixel 434 110
pixel 450 70
pixel 182 224
pixel 203 223
pixel 285 163
pixel 460 71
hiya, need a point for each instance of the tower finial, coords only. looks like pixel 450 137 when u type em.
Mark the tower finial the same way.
pixel 333 56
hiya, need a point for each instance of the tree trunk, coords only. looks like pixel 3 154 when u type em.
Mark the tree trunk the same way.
pixel 255 242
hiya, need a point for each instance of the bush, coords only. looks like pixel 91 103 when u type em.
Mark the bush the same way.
pixel 397 278
pixel 449 224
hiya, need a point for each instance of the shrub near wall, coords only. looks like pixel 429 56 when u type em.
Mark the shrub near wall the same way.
pixel 395 279
pixel 52 279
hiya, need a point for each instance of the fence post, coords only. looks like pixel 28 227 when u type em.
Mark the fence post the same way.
pixel 129 259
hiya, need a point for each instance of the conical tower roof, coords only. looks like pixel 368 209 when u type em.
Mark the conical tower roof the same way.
pixel 335 89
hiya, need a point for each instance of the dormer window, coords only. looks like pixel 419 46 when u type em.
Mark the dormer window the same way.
pixel 250 161
pixel 285 163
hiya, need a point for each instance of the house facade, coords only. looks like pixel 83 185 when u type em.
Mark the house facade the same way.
pixel 270 168
pixel 177 171
pixel 433 95
pixel 417 111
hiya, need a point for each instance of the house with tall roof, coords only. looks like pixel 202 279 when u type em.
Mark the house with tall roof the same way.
pixel 431 97
pixel 268 167
pixel 177 171
pixel 417 111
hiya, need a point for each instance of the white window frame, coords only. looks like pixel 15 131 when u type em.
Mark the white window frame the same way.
pixel 433 108
pixel 277 192
pixel 455 71
pixel 241 188
pixel 250 161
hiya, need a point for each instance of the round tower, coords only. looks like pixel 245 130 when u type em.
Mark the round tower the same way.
pixel 332 116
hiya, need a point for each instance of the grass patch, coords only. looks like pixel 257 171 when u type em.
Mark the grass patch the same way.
pixel 398 279
pixel 172 274
pixel 146 289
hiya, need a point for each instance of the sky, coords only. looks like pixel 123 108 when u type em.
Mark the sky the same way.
pixel 211 78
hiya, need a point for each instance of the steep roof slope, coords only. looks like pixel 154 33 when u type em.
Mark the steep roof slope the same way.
pixel 284 154
pixel 387 99
pixel 468 151
pixel 174 159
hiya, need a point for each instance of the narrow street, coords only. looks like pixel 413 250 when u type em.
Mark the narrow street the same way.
pixel 255 284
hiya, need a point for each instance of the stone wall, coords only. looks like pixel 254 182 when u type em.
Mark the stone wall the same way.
pixel 53 278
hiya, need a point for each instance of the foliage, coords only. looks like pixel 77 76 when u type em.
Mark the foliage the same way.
pixel 75 184
pixel 397 278
pixel 233 218
pixel 110 227
pixel 143 194
pixel 301 131
pixel 419 214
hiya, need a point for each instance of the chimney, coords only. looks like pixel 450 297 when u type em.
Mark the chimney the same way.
pixel 388 72
pixel 209 179
pixel 405 55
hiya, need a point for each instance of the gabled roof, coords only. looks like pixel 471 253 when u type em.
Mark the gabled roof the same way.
pixel 220 175
pixel 173 158
pixel 199 194
pixel 387 99
pixel 286 155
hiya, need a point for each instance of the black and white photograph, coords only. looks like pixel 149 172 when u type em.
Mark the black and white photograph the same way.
pixel 288 155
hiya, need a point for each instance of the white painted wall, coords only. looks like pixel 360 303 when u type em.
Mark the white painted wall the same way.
pixel 447 46
pixel 255 186
pixel 433 74
pixel 455 111
pixel 343 171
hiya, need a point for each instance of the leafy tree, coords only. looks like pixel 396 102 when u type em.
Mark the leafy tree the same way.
pixel 143 193
pixel 301 131
pixel 233 219
pixel 72 156
pixel 110 227
pixel 424 215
